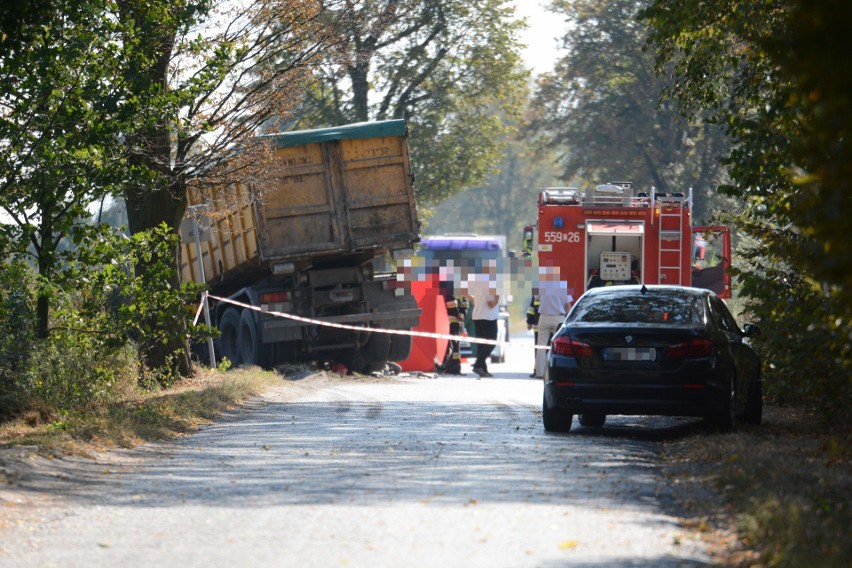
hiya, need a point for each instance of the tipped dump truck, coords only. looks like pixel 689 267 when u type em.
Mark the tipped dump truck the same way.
pixel 312 242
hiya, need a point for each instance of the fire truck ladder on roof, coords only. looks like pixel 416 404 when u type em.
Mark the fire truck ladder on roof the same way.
pixel 671 237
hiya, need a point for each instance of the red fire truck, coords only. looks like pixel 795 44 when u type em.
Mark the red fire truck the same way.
pixel 611 234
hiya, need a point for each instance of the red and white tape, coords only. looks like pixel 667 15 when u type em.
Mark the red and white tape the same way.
pixel 361 328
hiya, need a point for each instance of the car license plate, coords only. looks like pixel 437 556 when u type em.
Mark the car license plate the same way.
pixel 630 354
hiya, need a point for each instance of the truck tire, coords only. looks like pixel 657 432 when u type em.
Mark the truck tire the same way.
pixel 353 359
pixel 400 347
pixel 228 344
pixel 252 351
pixel 377 348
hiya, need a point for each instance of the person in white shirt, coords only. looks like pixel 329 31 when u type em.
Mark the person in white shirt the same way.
pixel 554 303
pixel 482 290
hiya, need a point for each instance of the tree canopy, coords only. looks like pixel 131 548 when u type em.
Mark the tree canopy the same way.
pixel 450 68
pixel 59 129
pixel 777 76
pixel 599 109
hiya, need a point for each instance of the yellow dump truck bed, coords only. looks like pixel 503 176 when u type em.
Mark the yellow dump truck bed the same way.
pixel 342 191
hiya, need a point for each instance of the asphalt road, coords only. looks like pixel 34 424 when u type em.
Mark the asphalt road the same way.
pixel 403 471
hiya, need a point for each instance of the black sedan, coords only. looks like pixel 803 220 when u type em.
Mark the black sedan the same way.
pixel 651 350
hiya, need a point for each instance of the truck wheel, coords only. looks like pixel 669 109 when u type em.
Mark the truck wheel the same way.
pixel 352 359
pixel 400 347
pixel 375 353
pixel 228 342
pixel 252 351
pixel 377 348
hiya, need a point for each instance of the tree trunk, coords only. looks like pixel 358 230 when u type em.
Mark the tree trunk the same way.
pixel 147 209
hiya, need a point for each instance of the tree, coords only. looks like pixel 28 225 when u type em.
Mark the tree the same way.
pixel 504 204
pixel 58 129
pixel 451 68
pixel 600 109
pixel 777 76
pixel 199 85
pixel 18 21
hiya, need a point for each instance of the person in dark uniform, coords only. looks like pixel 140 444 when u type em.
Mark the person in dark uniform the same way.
pixel 532 322
pixel 456 311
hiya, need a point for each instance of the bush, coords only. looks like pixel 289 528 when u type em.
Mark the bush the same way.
pixel 70 372
pixel 806 346
pixel 105 320
pixel 17 333
pixel 144 306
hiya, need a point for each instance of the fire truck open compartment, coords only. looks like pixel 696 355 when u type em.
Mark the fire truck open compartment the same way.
pixel 614 249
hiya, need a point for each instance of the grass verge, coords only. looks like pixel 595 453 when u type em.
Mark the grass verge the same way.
pixel 141 416
pixel 785 487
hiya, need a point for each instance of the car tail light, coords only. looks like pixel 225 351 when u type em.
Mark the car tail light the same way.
pixel 692 349
pixel 274 297
pixel 564 345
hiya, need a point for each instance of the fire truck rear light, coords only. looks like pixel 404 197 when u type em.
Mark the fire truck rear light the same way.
pixel 558 222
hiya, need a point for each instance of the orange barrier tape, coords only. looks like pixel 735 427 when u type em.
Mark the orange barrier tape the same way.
pixel 370 329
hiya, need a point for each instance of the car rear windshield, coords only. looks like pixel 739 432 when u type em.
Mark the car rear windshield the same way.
pixel 655 308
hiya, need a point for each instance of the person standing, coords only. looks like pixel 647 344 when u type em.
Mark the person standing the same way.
pixel 554 303
pixel 532 321
pixel 482 290
pixel 456 311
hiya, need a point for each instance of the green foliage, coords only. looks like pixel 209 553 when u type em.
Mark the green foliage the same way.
pixel 502 206
pixel 71 371
pixel 58 130
pixel 600 109
pixel 806 347
pixel 773 74
pixel 17 333
pixel 224 365
pixel 125 305
pixel 451 68
pixel 106 319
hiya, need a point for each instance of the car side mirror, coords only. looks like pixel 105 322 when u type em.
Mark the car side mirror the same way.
pixel 751 330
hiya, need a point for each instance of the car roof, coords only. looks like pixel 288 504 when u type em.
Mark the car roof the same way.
pixel 650 288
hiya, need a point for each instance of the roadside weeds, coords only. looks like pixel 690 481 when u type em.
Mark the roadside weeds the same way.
pixel 140 417
pixel 785 488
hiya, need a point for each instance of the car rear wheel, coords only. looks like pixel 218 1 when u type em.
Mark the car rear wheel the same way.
pixel 754 404
pixel 726 417
pixel 556 419
pixel 592 419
